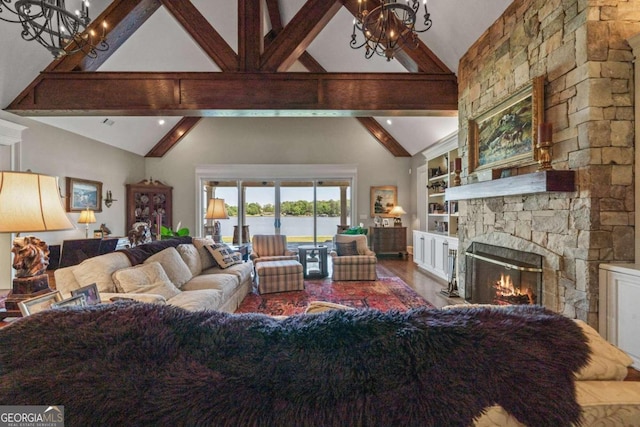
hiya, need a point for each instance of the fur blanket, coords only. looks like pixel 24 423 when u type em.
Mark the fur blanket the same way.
pixel 141 364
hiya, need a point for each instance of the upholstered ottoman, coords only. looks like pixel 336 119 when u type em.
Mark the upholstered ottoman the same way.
pixel 279 276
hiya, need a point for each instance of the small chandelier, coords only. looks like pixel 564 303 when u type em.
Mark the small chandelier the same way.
pixel 388 27
pixel 53 26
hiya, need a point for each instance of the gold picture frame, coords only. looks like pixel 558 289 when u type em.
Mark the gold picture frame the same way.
pixel 83 194
pixel 40 303
pixel 506 135
pixel 382 200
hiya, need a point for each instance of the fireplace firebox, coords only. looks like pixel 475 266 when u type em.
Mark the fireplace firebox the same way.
pixel 498 275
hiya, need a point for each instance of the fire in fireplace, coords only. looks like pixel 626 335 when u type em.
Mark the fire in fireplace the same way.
pixel 497 275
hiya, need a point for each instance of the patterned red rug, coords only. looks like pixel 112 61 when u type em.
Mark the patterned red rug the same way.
pixel 387 293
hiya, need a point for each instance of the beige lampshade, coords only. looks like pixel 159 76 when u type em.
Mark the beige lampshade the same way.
pixel 216 209
pixel 30 202
pixel 397 211
pixel 87 217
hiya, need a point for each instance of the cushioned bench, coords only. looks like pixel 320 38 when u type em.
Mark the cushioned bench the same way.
pixel 279 276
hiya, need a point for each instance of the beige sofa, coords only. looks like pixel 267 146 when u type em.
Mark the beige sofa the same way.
pixel 181 272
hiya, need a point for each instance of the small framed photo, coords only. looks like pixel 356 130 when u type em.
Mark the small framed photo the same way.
pixel 83 194
pixel 385 222
pixel 40 303
pixel 90 293
pixel 77 301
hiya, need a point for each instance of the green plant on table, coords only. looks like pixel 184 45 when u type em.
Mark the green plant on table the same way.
pixel 167 233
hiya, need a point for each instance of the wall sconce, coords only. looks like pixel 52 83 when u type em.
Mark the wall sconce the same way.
pixel 108 201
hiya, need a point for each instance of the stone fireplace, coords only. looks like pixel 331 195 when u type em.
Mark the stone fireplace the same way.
pixel 502 276
pixel 581 50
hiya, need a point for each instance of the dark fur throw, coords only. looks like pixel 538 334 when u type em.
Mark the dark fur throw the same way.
pixel 131 364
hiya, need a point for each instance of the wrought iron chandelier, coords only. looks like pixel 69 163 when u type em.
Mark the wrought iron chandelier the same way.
pixel 388 27
pixel 59 30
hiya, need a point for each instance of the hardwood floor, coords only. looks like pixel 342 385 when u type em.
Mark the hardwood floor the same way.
pixel 427 286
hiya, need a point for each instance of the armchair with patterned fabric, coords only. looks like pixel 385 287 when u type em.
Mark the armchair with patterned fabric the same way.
pixel 270 247
pixel 352 259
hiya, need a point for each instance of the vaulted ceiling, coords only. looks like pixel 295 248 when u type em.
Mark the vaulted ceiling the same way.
pixel 281 64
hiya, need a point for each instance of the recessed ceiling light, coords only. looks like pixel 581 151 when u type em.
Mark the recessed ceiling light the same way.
pixel 389 122
pixel 161 122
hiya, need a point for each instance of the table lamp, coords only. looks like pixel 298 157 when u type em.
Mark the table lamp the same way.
pixel 395 212
pixel 216 210
pixel 29 202
pixel 87 217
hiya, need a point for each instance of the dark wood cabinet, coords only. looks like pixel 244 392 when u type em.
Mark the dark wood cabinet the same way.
pixel 149 201
pixel 387 240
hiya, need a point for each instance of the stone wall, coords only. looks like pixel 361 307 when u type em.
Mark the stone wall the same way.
pixel 580 47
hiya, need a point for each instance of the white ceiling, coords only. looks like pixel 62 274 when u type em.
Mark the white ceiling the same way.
pixel 162 45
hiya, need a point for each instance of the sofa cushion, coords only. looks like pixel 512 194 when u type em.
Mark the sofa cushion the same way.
pixel 146 278
pixel 204 299
pixel 206 259
pixel 225 283
pixel 172 264
pixel 607 362
pixel 99 269
pixel 347 249
pixel 191 257
pixel 225 256
pixel 243 271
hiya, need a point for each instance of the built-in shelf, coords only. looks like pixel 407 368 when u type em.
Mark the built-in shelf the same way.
pixel 531 183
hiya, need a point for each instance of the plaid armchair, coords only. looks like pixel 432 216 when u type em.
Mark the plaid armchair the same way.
pixel 357 261
pixel 270 247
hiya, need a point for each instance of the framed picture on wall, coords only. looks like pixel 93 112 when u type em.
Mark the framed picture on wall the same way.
pixel 506 135
pixel 83 194
pixel 383 199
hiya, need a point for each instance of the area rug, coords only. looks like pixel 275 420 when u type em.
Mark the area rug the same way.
pixel 384 294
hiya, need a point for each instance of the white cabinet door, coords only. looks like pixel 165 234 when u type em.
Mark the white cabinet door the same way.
pixel 441 253
pixel 418 247
pixel 619 309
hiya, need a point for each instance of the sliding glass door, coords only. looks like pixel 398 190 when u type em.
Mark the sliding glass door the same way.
pixel 306 210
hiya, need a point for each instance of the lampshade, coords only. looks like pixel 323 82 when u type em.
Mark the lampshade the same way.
pixel 216 209
pixel 87 217
pixel 30 202
pixel 397 211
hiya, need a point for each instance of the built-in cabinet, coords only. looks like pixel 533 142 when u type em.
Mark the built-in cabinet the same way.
pixel 431 252
pixel 151 202
pixel 431 247
pixel 619 311
pixel 442 215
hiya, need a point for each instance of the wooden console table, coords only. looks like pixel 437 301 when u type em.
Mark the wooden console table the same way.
pixel 386 240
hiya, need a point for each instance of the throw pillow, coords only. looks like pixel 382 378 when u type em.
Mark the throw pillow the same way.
pixel 607 362
pixel 347 249
pixel 99 269
pixel 224 255
pixel 172 264
pixel 206 259
pixel 191 257
pixel 145 279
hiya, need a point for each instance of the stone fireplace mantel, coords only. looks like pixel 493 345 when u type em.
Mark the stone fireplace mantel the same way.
pixel 531 183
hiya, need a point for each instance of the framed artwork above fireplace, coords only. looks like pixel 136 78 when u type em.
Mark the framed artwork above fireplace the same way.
pixel 505 135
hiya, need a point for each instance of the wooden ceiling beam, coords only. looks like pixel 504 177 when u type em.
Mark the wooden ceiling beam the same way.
pixel 171 139
pixel 250 39
pixel 209 94
pixel 203 33
pixel 123 18
pixel 298 34
pixel 273 9
pixel 385 138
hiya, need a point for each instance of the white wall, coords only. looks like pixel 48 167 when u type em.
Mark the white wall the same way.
pixel 280 141
pixel 48 150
